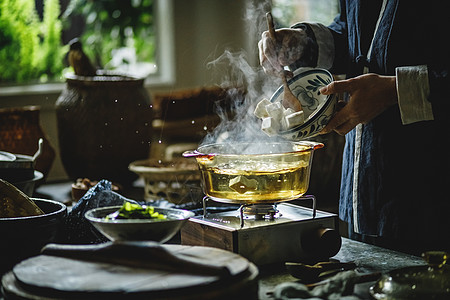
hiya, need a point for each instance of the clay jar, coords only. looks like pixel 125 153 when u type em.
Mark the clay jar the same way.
pixel 104 123
pixel 20 131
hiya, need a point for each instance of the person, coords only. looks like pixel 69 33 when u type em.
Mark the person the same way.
pixel 395 169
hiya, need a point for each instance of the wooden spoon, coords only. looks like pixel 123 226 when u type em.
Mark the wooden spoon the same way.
pixel 289 100
pixel 312 273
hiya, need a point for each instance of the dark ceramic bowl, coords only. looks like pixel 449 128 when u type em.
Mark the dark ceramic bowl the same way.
pixel 28 186
pixel 139 229
pixel 24 237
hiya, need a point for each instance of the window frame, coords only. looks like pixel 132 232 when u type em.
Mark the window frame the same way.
pixel 165 58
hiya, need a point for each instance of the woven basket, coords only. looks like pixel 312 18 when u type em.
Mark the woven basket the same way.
pixel 104 123
pixel 177 180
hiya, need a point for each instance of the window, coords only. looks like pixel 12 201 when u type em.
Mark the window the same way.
pixel 288 12
pixel 116 35
pixel 124 35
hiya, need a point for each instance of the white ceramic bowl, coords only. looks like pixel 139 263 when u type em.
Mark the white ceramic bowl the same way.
pixel 318 109
pixel 138 229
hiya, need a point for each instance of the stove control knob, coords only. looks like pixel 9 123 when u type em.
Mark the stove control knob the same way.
pixel 321 242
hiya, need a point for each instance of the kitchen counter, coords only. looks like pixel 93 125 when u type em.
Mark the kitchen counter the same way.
pixel 368 258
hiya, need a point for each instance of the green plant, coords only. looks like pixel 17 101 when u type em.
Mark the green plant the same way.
pixel 29 48
pixel 52 52
pixel 32 50
pixel 112 25
pixel 19 40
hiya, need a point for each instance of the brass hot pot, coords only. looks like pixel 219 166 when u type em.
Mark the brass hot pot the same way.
pixel 255 173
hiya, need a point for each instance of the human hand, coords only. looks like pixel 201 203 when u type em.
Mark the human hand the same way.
pixel 370 95
pixel 287 49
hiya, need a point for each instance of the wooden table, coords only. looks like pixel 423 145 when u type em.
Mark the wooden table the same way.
pixel 368 258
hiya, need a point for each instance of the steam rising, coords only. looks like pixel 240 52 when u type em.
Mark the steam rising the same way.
pixel 241 125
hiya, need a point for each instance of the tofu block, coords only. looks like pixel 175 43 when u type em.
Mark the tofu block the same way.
pixel 242 184
pixel 275 110
pixel 295 119
pixel 270 126
pixel 223 137
pixel 288 111
pixel 260 109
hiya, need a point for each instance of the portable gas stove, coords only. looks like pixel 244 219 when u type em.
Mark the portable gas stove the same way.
pixel 267 233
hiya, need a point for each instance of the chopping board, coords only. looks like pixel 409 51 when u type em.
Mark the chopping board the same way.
pixel 198 273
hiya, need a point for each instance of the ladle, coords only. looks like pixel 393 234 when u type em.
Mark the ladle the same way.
pixel 289 100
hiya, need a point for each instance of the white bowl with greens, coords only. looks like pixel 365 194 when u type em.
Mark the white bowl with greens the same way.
pixel 133 223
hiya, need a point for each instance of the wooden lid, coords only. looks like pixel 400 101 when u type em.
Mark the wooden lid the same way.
pixel 64 277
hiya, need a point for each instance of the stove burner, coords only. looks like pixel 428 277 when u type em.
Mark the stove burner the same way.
pixel 260 211
pixel 296 232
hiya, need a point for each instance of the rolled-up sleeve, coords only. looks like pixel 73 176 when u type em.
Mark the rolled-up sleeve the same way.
pixel 320 52
pixel 413 90
pixel 325 44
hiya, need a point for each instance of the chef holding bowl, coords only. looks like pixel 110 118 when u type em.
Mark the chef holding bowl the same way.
pixel 395 166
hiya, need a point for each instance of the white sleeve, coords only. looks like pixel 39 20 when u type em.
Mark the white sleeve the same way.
pixel 413 90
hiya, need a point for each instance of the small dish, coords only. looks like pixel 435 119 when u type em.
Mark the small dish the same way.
pixel 318 109
pixel 156 230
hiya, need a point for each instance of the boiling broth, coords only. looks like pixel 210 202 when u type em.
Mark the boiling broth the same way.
pixel 246 184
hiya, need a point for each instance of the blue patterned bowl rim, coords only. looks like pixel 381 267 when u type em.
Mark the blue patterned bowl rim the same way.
pixel 316 113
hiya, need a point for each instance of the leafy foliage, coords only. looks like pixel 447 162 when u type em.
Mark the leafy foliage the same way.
pixel 29 48
pixel 52 52
pixel 19 40
pixel 112 25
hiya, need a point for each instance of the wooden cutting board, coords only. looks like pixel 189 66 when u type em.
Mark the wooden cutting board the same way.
pixel 57 277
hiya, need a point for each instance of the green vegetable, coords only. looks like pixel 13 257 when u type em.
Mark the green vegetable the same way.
pixel 135 211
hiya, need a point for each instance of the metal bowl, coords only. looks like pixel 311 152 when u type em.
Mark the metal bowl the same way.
pixel 138 229
pixel 317 108
pixel 430 281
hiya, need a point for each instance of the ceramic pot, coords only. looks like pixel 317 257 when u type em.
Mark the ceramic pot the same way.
pixel 104 123
pixel 20 131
